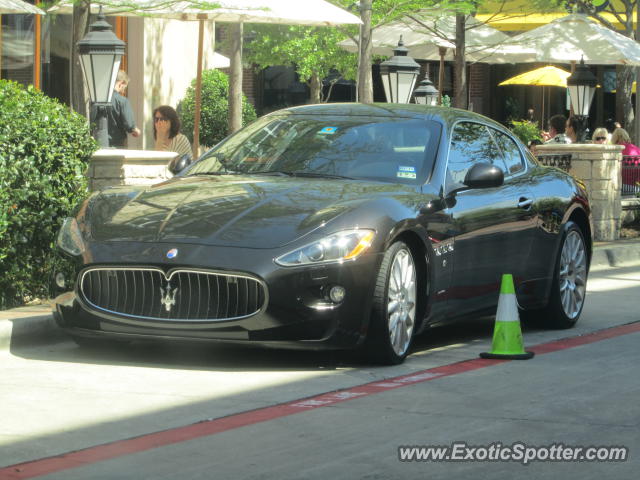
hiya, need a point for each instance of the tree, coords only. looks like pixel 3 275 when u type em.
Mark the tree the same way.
pixel 622 11
pixel 311 51
pixel 386 11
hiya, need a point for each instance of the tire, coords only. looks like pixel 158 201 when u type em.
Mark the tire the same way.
pixel 568 288
pixel 393 315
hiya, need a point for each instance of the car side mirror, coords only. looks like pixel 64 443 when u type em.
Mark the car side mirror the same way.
pixel 484 175
pixel 180 163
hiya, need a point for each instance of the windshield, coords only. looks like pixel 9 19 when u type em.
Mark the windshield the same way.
pixel 399 150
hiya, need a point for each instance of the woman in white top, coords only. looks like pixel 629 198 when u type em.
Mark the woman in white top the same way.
pixel 166 131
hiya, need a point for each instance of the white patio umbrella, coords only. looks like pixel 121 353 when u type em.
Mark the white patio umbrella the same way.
pixel 576 36
pixel 18 6
pixel 292 12
pixel 426 32
pixel 430 35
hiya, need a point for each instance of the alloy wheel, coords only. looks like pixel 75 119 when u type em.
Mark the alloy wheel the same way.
pixel 401 305
pixel 573 274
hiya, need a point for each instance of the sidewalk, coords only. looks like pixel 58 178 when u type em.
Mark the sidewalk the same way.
pixel 35 323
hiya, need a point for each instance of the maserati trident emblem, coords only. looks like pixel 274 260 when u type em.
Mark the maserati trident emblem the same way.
pixel 168 297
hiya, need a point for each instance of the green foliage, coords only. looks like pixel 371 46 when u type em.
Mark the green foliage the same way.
pixel 312 51
pixel 446 101
pixel 512 108
pixel 44 152
pixel 525 131
pixel 214 108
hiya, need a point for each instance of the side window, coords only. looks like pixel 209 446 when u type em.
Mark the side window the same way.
pixel 511 152
pixel 471 143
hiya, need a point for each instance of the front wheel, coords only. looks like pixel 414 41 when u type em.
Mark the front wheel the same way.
pixel 393 315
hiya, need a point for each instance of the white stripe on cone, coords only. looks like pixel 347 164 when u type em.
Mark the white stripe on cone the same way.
pixel 507 308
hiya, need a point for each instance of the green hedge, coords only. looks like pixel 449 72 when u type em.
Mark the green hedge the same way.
pixel 44 152
pixel 214 123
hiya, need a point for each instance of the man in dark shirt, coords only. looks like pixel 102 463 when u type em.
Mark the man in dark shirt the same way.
pixel 120 119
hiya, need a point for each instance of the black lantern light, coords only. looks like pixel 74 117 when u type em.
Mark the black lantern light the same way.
pixel 399 75
pixel 582 86
pixel 100 54
pixel 426 93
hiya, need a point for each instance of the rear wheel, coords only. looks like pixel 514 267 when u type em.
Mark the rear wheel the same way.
pixel 569 283
pixel 394 307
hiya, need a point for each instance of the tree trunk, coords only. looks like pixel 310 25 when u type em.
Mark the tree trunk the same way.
pixel 460 72
pixel 624 109
pixel 77 84
pixel 315 87
pixel 235 79
pixel 365 82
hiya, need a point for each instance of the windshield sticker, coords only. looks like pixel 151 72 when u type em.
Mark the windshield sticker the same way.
pixel 328 130
pixel 406 172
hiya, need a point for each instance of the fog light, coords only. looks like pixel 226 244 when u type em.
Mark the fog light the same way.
pixel 337 293
pixel 61 282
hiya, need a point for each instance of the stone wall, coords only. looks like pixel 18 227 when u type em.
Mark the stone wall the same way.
pixel 599 167
pixel 110 167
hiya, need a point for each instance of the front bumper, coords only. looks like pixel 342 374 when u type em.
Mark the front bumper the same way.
pixel 298 313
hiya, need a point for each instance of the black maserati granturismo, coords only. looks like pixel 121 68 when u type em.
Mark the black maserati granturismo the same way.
pixel 331 226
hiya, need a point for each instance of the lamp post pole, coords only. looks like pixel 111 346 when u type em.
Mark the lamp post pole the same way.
pixel 582 86
pixel 100 54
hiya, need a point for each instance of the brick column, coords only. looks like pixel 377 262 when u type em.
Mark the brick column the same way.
pixel 599 168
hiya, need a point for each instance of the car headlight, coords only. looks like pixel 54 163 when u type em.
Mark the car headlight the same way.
pixel 70 238
pixel 341 246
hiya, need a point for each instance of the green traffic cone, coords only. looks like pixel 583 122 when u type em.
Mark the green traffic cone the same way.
pixel 507 336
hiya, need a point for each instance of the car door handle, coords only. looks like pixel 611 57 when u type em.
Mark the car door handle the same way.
pixel 525 203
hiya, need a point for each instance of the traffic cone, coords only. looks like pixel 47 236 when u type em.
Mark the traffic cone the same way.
pixel 507 336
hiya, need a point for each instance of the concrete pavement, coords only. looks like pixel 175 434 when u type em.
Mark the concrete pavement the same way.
pixel 35 323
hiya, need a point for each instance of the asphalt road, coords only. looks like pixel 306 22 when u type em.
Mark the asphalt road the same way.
pixel 185 411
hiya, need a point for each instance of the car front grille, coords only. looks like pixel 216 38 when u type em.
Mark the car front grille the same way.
pixel 187 295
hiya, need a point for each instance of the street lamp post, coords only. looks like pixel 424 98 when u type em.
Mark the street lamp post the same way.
pixel 399 75
pixel 426 93
pixel 100 54
pixel 582 85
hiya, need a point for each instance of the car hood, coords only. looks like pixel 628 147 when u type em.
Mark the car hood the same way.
pixel 242 211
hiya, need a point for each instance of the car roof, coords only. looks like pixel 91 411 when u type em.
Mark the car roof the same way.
pixel 445 115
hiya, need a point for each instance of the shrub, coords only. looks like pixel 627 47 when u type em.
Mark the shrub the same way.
pixel 525 131
pixel 44 151
pixel 214 108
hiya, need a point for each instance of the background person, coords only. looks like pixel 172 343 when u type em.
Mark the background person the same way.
pixel 557 125
pixel 621 137
pixel 630 158
pixel 120 121
pixel 600 136
pixel 166 131
pixel 571 129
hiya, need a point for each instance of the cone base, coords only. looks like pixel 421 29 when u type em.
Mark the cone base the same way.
pixel 507 356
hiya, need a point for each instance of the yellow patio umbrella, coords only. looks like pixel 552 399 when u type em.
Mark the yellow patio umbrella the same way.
pixel 548 76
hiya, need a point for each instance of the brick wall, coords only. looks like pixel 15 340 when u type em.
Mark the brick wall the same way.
pixel 479 88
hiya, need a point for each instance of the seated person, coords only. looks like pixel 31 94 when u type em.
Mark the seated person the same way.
pixel 166 131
